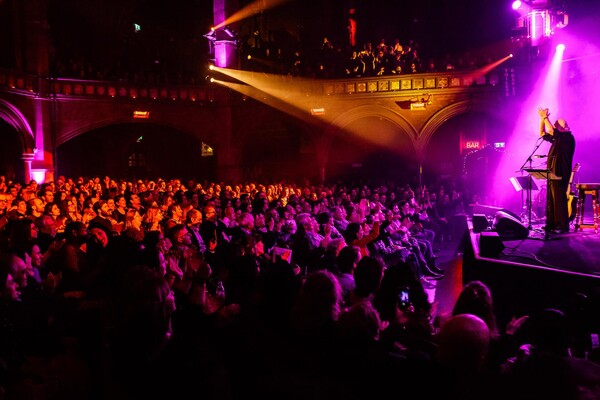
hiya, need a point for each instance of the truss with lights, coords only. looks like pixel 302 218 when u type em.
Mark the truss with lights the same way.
pixel 539 19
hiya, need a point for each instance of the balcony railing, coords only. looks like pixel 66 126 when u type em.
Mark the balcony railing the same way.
pixel 74 88
pixel 408 82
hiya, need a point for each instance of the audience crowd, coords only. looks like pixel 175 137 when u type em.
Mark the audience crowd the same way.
pixel 325 60
pixel 370 59
pixel 148 289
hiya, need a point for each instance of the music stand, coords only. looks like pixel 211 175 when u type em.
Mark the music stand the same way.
pixel 525 184
pixel 548 176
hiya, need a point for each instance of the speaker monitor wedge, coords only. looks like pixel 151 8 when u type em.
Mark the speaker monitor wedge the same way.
pixel 509 228
pixel 480 223
pixel 490 244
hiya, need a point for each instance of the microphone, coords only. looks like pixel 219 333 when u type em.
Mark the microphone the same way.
pixel 540 156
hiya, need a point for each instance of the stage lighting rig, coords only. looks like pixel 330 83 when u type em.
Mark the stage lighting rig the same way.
pixel 540 18
pixel 223 43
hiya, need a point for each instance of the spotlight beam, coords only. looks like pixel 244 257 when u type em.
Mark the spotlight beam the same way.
pixel 299 97
pixel 545 94
pixel 265 98
pixel 487 68
pixel 581 57
pixel 251 9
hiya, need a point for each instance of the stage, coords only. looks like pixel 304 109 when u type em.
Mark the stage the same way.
pixel 535 272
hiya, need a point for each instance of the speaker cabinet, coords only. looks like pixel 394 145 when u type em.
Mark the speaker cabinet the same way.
pixel 480 223
pixel 490 244
pixel 509 228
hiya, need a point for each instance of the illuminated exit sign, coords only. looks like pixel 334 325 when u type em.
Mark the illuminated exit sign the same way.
pixel 141 114
pixel 472 144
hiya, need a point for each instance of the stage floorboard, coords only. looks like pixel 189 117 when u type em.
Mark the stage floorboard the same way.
pixel 576 252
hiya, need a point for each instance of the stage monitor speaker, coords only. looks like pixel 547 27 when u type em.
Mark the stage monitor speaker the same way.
pixel 490 244
pixel 509 228
pixel 480 223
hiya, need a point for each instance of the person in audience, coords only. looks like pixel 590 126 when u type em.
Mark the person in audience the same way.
pixel 355 236
pixel 133 226
pixel 361 358
pixel 546 368
pixel 120 208
pixel 35 208
pixel 308 245
pixel 103 218
pixel 316 310
pixel 193 221
pixel 153 219
pixel 347 260
pixel 461 357
pixel 367 279
pixel 69 259
pixel 18 209
pixel 69 209
pixel 476 299
pixel 402 301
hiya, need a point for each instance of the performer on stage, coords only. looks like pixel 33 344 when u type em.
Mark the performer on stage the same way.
pixel 560 162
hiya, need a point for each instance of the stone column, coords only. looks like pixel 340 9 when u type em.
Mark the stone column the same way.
pixel 27 159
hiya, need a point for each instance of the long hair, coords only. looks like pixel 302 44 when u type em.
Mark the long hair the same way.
pixel 476 299
pixel 129 215
pixel 318 303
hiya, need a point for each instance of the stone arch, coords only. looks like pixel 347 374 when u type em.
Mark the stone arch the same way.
pixel 82 129
pixel 107 148
pixel 361 112
pixel 355 152
pixel 453 110
pixel 441 150
pixel 17 120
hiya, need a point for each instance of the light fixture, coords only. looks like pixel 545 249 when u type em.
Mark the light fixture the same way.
pixel 229 31
pixel 211 35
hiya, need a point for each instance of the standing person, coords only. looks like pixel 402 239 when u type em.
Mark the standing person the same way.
pixel 560 163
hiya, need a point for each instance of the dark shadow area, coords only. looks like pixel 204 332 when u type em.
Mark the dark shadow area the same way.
pixel 135 151
pixel 372 150
pixel 11 150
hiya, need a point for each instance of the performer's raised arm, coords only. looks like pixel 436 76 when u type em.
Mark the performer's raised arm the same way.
pixel 546 127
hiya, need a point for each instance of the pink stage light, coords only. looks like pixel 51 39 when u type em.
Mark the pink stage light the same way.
pixel 516 4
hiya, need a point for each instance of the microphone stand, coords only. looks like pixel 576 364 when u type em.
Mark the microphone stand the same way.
pixel 530 181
